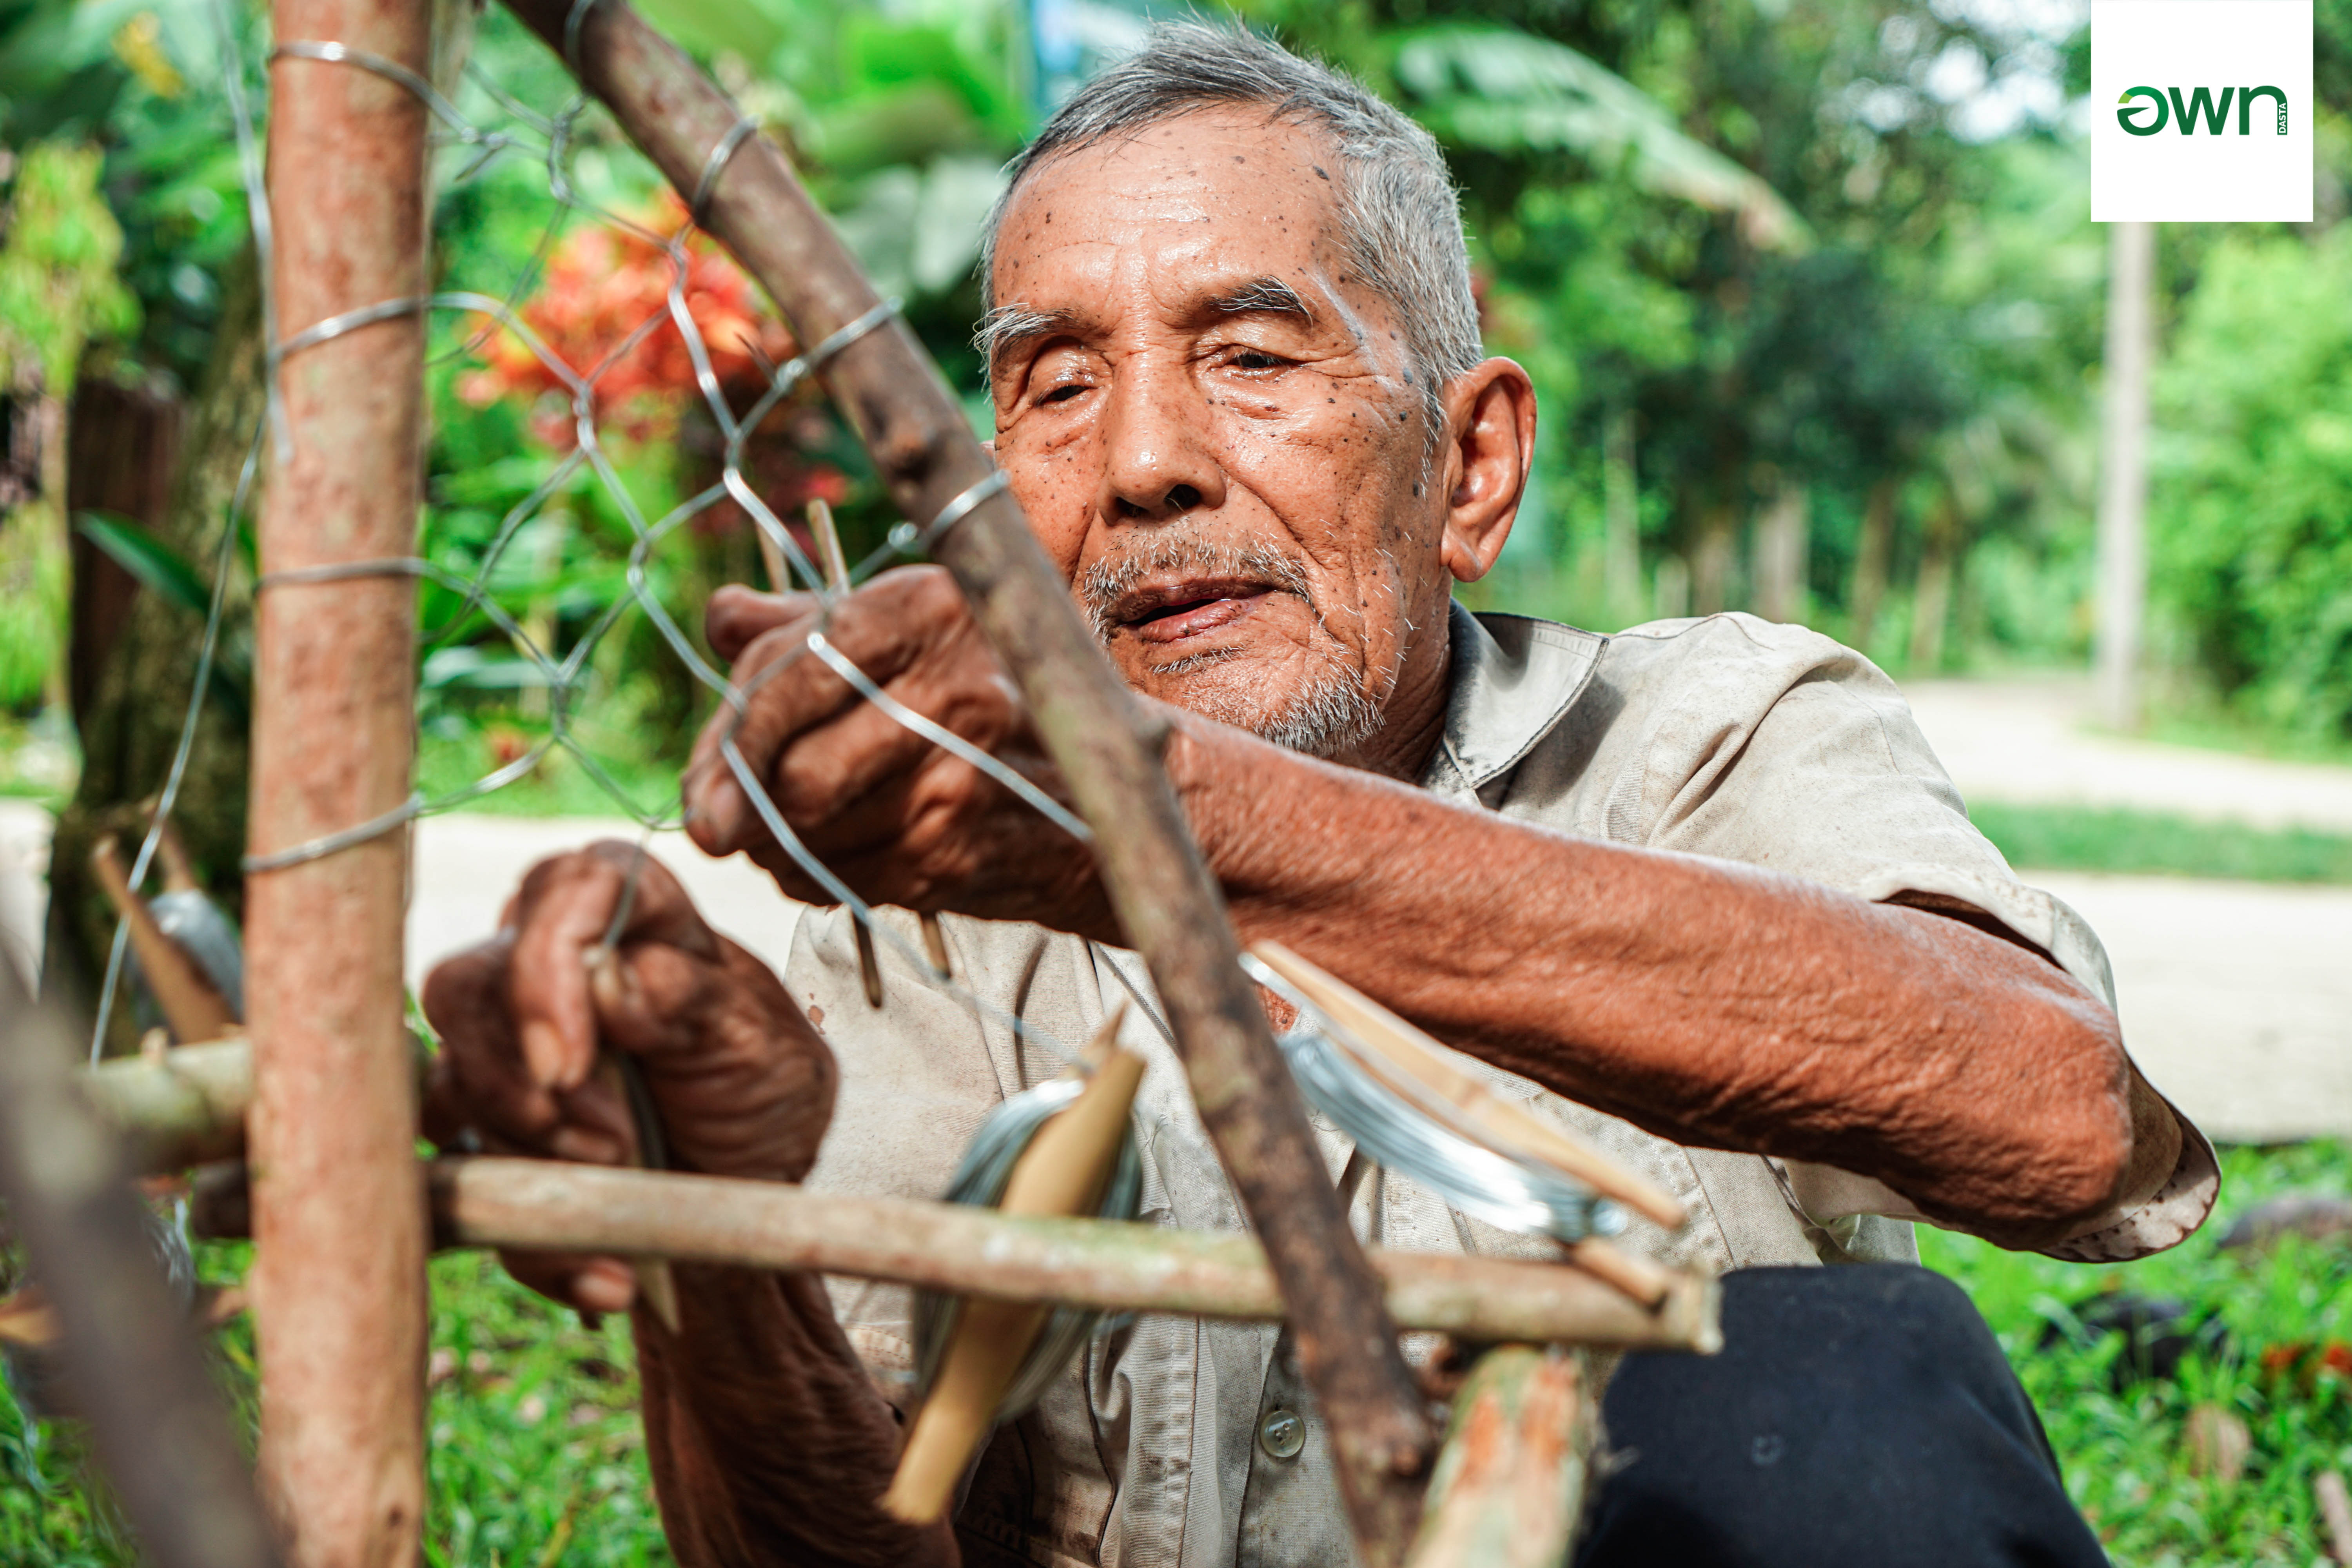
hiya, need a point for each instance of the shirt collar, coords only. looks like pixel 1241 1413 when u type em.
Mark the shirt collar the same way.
pixel 1514 679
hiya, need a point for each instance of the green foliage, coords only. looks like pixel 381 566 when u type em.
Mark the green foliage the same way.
pixel 1503 90
pixel 534 1456
pixel 58 287
pixel 2253 478
pixel 2094 838
pixel 2125 1462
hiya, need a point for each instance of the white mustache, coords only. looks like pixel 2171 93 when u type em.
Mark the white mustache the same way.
pixel 1112 578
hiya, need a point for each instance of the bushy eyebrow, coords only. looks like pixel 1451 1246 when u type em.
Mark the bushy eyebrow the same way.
pixel 1267 296
pixel 1008 326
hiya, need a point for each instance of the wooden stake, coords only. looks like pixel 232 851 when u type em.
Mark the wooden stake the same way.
pixel 1062 1172
pixel 625 1081
pixel 338 1212
pixel 1646 1282
pixel 655 1283
pixel 935 946
pixel 827 538
pixel 194 1009
pixel 1407 1050
pixel 869 968
pixel 1511 1482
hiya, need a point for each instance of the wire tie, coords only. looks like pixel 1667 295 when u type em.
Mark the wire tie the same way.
pixel 963 506
pixel 716 165
pixel 349 322
pixel 345 571
pixel 572 26
pixel 334 843
pixel 390 69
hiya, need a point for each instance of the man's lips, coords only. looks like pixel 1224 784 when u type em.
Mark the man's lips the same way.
pixel 1172 612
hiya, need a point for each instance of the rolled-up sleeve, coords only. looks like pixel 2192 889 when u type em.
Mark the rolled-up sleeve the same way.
pixel 1775 746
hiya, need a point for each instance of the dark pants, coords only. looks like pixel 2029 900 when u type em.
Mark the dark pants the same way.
pixel 1859 1417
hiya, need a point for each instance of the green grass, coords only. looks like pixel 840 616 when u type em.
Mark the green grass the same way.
pixel 534 1455
pixel 2124 1458
pixel 2099 838
pixel 536 1460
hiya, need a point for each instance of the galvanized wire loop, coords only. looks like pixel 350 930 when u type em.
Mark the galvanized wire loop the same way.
pixel 970 500
pixel 563 674
pixel 716 165
pixel 333 53
pixel 573 23
pixel 301 854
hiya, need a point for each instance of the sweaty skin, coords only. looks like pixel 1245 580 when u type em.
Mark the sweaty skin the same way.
pixel 1218 433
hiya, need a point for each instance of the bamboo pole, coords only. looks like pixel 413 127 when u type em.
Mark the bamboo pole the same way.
pixel 556 1206
pixel 1509 1486
pixel 132 1365
pixel 1167 905
pixel 339 1219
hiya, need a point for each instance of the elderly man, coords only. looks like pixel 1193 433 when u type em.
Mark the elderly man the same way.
pixel 1697 892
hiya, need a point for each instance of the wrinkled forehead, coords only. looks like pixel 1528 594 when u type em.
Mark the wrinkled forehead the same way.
pixel 1202 193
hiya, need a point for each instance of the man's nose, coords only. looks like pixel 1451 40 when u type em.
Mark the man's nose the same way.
pixel 1160 458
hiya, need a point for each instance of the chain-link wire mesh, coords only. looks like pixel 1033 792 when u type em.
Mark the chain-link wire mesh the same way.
pixel 477 125
pixel 483 125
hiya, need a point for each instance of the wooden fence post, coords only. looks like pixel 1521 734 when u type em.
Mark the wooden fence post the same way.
pixel 338 1208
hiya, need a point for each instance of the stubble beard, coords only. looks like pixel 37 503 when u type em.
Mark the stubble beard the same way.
pixel 1328 715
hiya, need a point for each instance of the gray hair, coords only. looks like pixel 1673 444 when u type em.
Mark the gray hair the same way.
pixel 1399 215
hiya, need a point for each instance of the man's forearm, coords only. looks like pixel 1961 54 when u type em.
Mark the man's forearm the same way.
pixel 1711 1003
pixel 767 1443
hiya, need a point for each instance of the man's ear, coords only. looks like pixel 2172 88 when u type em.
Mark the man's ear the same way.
pixel 1491 424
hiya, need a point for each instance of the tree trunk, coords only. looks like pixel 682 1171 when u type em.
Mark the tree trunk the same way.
pixel 2123 471
pixel 1714 558
pixel 1781 549
pixel 1870 559
pixel 122 446
pixel 1622 507
pixel 136 654
pixel 1931 605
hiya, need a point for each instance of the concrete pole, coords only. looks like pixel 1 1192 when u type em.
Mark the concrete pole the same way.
pixel 338 1205
pixel 2123 473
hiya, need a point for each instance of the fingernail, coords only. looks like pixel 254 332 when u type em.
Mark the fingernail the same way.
pixel 607 1285
pixel 543 1052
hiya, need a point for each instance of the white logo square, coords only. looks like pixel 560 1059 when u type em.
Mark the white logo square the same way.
pixel 2200 111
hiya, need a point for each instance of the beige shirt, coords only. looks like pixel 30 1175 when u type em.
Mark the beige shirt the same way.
pixel 1725 737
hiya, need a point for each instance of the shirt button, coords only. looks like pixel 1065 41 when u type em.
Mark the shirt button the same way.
pixel 1282 1434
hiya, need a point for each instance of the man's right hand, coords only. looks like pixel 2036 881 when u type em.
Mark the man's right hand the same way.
pixel 741 1081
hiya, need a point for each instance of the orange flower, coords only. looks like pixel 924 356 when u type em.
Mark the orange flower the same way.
pixel 604 310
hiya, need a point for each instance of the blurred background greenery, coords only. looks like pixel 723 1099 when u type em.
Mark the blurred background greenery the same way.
pixel 1807 286
pixel 1813 299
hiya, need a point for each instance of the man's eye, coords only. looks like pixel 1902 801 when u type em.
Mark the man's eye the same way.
pixel 1251 359
pixel 1061 394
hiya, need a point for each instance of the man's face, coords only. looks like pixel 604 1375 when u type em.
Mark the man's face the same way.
pixel 1210 426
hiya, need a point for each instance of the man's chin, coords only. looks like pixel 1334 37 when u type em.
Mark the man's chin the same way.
pixel 1324 713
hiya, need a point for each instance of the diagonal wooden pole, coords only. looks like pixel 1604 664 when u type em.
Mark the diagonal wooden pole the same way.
pixel 1167 904
pixel 339 1216
pixel 133 1368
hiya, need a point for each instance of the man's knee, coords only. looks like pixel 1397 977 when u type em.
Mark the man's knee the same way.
pixel 1857 1415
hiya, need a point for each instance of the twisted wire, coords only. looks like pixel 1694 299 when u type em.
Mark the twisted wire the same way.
pixel 563 674
pixel 1413 1132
